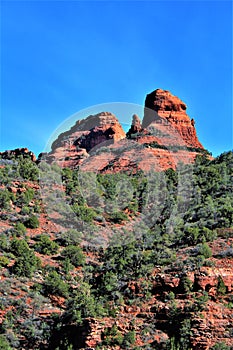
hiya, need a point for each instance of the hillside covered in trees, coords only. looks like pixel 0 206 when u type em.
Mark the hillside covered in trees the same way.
pixel 127 260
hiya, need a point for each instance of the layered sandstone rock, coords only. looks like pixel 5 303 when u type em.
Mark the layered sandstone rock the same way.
pixel 161 107
pixel 165 138
pixel 136 126
pixel 73 146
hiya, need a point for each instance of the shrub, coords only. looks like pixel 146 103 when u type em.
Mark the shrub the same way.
pixel 220 346
pixel 19 247
pixel 19 229
pixel 4 344
pixel 221 288
pixel 32 222
pixel 28 170
pixel 4 199
pixel 129 339
pixel 26 262
pixel 70 237
pixel 55 285
pixel 25 210
pixel 84 213
pixel 45 245
pixel 117 217
pixel 205 250
pixel 4 261
pixel 26 265
pixel 74 254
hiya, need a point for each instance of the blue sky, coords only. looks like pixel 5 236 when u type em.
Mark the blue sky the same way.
pixel 59 57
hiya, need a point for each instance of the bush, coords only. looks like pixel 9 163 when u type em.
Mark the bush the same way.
pixel 84 213
pixel 32 222
pixel 221 288
pixel 19 247
pixel 26 262
pixel 25 210
pixel 205 250
pixel 4 261
pixel 26 265
pixel 129 339
pixel 19 229
pixel 4 344
pixel 55 285
pixel 4 199
pixel 74 254
pixel 45 245
pixel 220 346
pixel 28 170
pixel 70 237
pixel 117 217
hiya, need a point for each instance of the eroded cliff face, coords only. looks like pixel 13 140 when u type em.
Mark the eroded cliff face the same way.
pixel 74 145
pixel 161 106
pixel 165 138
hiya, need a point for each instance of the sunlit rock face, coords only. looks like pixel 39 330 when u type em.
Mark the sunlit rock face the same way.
pixel 161 106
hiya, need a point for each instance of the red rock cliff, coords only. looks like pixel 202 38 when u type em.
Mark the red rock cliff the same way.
pixel 73 146
pixel 162 105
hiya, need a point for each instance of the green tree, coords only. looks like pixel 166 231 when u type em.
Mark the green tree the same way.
pixel 4 344
pixel 205 250
pixel 54 285
pixel 129 339
pixel 19 229
pixel 4 261
pixel 5 199
pixel 70 237
pixel 26 261
pixel 221 287
pixel 45 245
pixel 74 254
pixel 82 305
pixel 27 169
pixel 32 222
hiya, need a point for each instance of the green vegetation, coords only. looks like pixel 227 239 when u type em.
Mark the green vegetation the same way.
pixel 32 222
pixel 45 245
pixel 26 263
pixel 161 230
pixel 74 254
pixel 220 346
pixel 55 285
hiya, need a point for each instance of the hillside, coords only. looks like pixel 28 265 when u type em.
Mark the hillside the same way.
pixel 126 242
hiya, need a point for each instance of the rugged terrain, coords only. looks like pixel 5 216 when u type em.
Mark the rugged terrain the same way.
pixel 165 137
pixel 135 253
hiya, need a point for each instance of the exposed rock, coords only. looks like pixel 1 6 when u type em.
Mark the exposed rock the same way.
pixel 208 278
pixel 73 146
pixel 88 133
pixel 166 138
pixel 162 107
pixel 136 126
pixel 15 153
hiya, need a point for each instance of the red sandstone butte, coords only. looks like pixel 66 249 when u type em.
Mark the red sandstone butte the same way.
pixel 162 105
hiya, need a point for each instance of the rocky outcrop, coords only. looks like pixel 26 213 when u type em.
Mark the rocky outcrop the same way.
pixel 73 146
pixel 15 153
pixel 165 138
pixel 162 107
pixel 136 126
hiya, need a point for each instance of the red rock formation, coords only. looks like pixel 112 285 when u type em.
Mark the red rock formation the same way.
pixel 166 137
pixel 15 153
pixel 72 146
pixel 136 126
pixel 161 106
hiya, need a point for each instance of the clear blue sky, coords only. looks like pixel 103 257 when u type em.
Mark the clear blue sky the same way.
pixel 58 57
